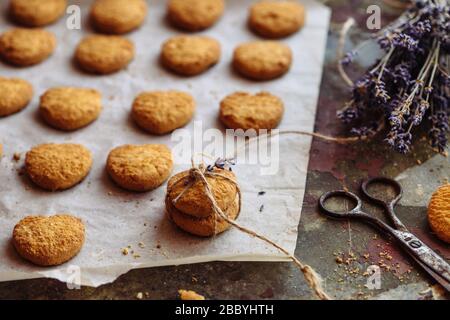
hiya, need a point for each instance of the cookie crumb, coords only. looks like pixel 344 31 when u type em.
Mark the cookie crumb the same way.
pixel 190 295
pixel 125 251
pixel 16 156
pixel 140 296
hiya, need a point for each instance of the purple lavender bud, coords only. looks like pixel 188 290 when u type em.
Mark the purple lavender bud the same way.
pixel 365 131
pixel 349 58
pixel 395 121
pixel 405 41
pixel 380 92
pixel 348 114
pixel 428 89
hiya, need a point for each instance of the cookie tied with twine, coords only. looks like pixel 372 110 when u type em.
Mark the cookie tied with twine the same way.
pixel 189 207
pixel 205 182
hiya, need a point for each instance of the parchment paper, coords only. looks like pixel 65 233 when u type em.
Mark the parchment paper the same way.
pixel 116 219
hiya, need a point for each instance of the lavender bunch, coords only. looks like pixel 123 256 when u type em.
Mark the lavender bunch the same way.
pixel 410 85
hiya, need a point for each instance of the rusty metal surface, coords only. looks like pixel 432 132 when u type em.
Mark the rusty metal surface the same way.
pixel 340 251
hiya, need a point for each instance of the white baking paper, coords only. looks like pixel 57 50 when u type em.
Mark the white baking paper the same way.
pixel 115 218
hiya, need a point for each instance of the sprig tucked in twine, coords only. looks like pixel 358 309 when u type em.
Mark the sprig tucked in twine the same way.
pixel 200 172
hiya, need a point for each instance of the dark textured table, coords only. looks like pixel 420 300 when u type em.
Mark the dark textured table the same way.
pixel 340 251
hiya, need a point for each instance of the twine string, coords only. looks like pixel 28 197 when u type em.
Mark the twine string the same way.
pixel 341 48
pixel 338 140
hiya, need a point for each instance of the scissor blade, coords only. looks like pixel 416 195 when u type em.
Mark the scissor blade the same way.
pixel 442 281
pixel 434 264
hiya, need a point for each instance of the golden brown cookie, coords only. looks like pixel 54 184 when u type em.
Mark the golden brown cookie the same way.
pixel 439 213
pixel 58 166
pixel 15 94
pixel 262 60
pixel 37 13
pixel 49 241
pixel 194 201
pixel 140 167
pixel 190 55
pixel 245 111
pixel 26 47
pixel 203 227
pixel 190 295
pixel 118 16
pixel 276 19
pixel 67 108
pixel 161 112
pixel 104 54
pixel 195 15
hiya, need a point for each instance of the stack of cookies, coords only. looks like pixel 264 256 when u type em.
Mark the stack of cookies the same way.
pixel 189 207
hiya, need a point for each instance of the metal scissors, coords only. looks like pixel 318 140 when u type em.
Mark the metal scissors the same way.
pixel 430 261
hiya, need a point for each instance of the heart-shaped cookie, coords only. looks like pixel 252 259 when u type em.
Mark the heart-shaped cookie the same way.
pixel 49 241
pixel 58 166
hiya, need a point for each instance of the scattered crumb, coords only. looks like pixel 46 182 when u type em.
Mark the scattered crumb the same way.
pixel 194 280
pixel 261 193
pixel 190 295
pixel 136 256
pixel 261 209
pixel 158 246
pixel 125 251
pixel 141 245
pixel 16 156
pixel 139 295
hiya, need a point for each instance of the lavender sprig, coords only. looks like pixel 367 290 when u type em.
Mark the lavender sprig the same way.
pixel 410 84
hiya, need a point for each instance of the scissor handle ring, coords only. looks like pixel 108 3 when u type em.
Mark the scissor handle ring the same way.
pixel 344 194
pixel 387 181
